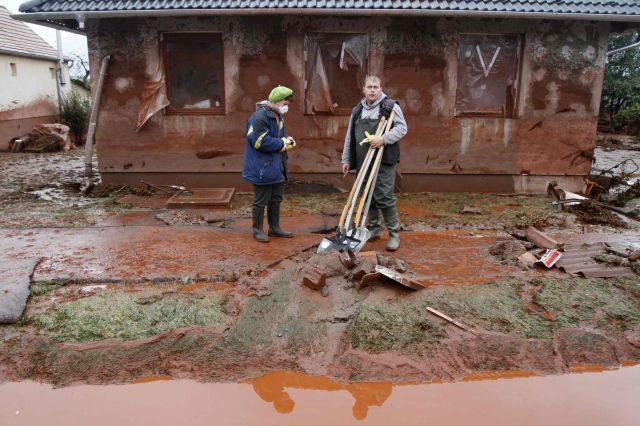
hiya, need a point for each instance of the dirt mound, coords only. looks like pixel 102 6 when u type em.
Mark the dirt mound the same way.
pixel 508 250
pixel 590 212
pixel 631 194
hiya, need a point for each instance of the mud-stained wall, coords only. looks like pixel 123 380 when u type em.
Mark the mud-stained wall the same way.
pixel 28 95
pixel 552 133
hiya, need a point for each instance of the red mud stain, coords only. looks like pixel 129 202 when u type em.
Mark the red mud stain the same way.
pixel 588 368
pixel 132 218
pixel 289 398
pixel 629 363
pixel 495 375
pixel 503 207
pixel 450 257
pixel 149 379
pixel 414 211
pixel 191 288
pixel 212 153
pixel 155 201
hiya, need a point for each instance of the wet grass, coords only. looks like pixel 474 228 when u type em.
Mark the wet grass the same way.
pixel 404 324
pixel 576 301
pixel 383 326
pixel 445 208
pixel 114 315
pixel 264 320
pixel 43 287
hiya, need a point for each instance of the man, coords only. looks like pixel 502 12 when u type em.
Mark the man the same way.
pixel 265 161
pixel 365 118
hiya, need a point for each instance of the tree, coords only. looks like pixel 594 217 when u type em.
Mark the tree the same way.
pixel 621 88
pixel 79 70
pixel 75 109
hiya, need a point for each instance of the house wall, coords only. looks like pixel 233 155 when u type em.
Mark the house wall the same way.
pixel 28 98
pixel 551 138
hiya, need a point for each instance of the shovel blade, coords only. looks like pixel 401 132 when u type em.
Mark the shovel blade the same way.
pixel 359 238
pixel 340 242
pixel 327 245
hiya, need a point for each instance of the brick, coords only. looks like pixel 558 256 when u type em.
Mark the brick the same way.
pixel 314 278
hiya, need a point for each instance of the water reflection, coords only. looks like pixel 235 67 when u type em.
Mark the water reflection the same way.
pixel 271 388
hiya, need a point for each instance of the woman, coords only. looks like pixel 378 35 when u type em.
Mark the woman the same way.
pixel 265 161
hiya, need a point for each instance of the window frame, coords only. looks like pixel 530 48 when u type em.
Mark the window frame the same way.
pixel 193 36
pixel 340 111
pixel 520 40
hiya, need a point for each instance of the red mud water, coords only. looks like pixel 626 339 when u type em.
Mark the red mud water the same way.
pixel 449 257
pixel 288 398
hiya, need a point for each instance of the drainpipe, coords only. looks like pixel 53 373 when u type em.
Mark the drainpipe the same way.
pixel 93 120
pixel 59 73
pixel 622 49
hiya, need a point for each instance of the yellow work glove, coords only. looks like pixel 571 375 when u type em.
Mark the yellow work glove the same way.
pixel 288 144
pixel 367 139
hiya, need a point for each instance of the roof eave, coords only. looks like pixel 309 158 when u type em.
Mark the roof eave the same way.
pixel 52 19
pixel 30 55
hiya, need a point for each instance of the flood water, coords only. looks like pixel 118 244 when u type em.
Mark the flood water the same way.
pixel 288 398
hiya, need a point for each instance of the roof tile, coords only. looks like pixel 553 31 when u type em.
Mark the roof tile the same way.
pixel 587 7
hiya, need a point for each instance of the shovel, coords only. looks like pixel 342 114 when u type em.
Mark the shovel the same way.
pixel 341 241
pixel 361 233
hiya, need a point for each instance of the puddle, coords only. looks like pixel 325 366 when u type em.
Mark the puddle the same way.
pixel 290 398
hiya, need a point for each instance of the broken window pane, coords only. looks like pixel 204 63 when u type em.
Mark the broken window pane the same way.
pixel 194 65
pixel 336 65
pixel 487 75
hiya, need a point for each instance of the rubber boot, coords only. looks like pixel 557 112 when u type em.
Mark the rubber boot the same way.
pixel 273 216
pixel 374 225
pixel 393 226
pixel 258 220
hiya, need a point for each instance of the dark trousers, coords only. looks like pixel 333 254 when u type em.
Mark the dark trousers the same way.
pixel 268 194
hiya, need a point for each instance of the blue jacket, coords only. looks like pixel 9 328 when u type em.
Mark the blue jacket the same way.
pixel 264 163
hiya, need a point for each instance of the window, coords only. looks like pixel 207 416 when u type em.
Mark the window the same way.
pixel 194 73
pixel 53 72
pixel 335 68
pixel 14 69
pixel 487 75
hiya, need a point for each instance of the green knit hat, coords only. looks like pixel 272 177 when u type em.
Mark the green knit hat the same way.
pixel 279 93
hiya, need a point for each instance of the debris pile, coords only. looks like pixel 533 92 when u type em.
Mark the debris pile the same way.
pixel 43 138
pixel 360 270
pixel 591 260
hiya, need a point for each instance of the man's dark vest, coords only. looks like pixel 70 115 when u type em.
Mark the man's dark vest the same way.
pixel 391 155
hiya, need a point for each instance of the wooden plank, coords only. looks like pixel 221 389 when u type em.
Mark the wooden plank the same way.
pixel 202 198
pixel 451 320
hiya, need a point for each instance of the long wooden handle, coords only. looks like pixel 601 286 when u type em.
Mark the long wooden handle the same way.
pixel 451 320
pixel 373 174
pixel 363 172
pixel 358 182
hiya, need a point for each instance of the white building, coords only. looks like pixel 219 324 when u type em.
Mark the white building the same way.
pixel 28 90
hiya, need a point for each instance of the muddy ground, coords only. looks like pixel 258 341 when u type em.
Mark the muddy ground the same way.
pixel 121 288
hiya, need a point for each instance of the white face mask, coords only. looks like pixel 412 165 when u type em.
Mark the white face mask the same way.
pixel 283 109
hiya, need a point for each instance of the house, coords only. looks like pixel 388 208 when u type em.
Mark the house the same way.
pixel 28 72
pixel 499 96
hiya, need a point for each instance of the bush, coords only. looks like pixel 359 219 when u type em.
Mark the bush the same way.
pixel 75 109
pixel 628 119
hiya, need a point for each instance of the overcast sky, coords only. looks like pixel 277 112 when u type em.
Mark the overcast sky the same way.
pixel 71 43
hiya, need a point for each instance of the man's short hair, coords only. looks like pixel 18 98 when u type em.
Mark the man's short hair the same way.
pixel 373 79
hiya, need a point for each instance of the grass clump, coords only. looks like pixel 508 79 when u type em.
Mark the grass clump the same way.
pixel 575 301
pixel 113 315
pixel 254 326
pixel 43 287
pixel 299 325
pixel 383 326
pixel 404 324
pixel 265 319
pixel 493 307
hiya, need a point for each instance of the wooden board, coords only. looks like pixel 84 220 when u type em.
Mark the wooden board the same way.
pixel 203 198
